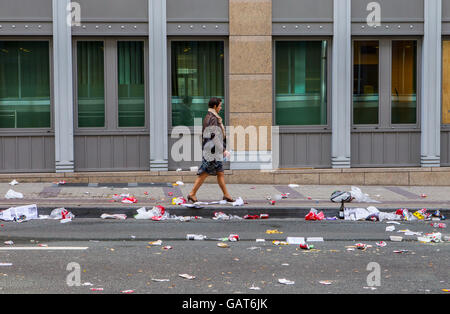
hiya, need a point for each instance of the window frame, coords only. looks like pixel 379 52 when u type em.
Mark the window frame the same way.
pixel 385 85
pixel 51 128
pixel 111 88
pixel 305 128
pixel 169 76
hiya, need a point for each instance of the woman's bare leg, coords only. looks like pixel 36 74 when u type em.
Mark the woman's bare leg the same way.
pixel 198 183
pixel 221 181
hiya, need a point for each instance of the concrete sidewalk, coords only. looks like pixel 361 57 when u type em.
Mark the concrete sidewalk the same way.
pixel 90 201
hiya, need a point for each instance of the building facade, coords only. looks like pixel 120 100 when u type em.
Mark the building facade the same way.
pixel 112 85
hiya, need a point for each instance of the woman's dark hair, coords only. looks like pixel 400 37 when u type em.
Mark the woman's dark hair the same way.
pixel 214 102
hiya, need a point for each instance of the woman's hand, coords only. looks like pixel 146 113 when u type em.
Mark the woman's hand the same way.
pixel 226 154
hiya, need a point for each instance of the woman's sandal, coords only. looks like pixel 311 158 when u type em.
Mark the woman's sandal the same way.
pixel 190 199
pixel 229 200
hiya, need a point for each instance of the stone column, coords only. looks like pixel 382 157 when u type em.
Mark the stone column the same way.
pixel 431 85
pixel 158 85
pixel 62 87
pixel 341 85
pixel 250 81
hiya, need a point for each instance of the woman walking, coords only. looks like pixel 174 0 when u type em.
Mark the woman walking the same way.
pixel 214 149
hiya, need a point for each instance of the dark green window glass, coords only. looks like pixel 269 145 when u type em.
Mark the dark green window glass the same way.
pixel 24 84
pixel 365 82
pixel 197 75
pixel 131 83
pixel 301 83
pixel 91 84
pixel 404 68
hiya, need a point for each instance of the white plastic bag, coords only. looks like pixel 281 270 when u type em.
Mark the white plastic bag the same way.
pixel 13 194
pixel 361 197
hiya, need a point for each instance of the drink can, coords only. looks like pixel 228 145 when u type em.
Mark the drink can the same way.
pixel 305 246
pixel 264 216
pixel 233 237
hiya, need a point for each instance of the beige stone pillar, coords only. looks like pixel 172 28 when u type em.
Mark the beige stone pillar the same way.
pixel 250 80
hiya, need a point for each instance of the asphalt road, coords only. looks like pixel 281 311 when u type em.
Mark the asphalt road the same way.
pixel 118 258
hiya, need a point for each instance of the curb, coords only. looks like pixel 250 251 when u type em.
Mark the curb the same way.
pixel 208 212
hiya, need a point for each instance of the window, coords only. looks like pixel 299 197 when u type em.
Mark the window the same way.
pixel 24 84
pixel 365 82
pixel 404 96
pixel 385 68
pixel 113 97
pixel 91 84
pixel 446 82
pixel 131 83
pixel 301 83
pixel 197 75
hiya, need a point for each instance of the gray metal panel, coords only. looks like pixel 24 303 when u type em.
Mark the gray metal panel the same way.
pixel 197 29
pixel 302 29
pixel 27 154
pixel 391 10
pixel 445 148
pixel 197 10
pixel 311 149
pixel 112 152
pixel 111 29
pixel 114 10
pixel 185 164
pixel 382 149
pixel 305 10
pixel 388 29
pixel 445 10
pixel 26 10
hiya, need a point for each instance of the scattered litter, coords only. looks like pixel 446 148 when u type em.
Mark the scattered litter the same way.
pixel 22 213
pixel 233 238
pixel 13 182
pixel 313 215
pixel 167 247
pixel 193 169
pixel 5 264
pixel 129 200
pixel 63 214
pixel 314 239
pixel 12 194
pixel 381 244
pixel 361 197
pixel 198 237
pixel 305 246
pixel 253 287
pixel 127 291
pixel 178 201
pixel 362 246
pixel 325 282
pixel 396 238
pixel 223 216
pixel 393 222
pixel 254 248
pixel 439 225
pixel 154 243
pixel 178 183
pixel 431 238
pixel 179 169
pixel 223 245
pixel 275 231
pixel 156 213
pixel 275 242
pixel 114 216
pixel 253 217
pixel 390 228
pixel 186 276
pixel 294 185
pixel 370 288
pixel 285 281
pixel 295 240
pixel 239 202
pixel 160 280
pixel 96 289
pixel 261 240
pixel 401 251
